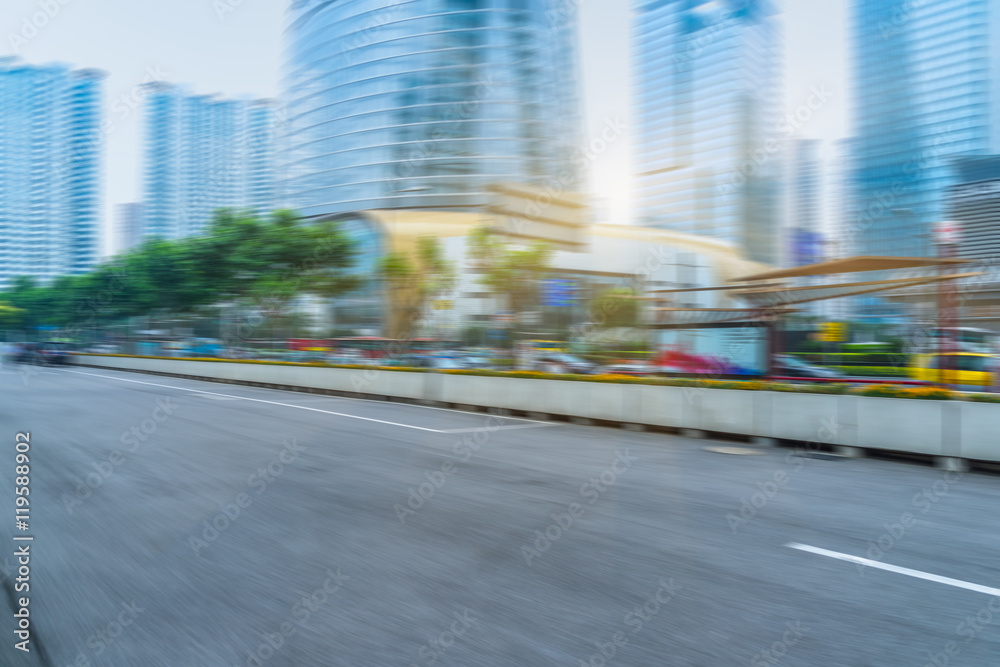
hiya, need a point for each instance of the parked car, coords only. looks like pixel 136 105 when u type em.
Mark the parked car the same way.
pixel 19 353
pixel 44 354
pixel 204 347
pixel 104 348
pixel 789 366
pixel 300 357
pixel 560 362
pixel 475 360
pixel 427 361
pixel 634 369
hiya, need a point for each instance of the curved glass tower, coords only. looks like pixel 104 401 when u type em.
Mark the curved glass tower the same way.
pixel 425 103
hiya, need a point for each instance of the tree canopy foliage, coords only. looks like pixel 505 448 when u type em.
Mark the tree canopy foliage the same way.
pixel 414 280
pixel 620 306
pixel 512 272
pixel 239 258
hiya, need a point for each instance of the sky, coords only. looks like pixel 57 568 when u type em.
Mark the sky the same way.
pixel 235 48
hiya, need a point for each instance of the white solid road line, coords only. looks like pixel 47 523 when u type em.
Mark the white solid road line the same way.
pixel 328 412
pixel 957 583
pixel 498 428
pixel 375 400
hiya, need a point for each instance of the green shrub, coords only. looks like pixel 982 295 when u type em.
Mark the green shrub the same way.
pixel 867 347
pixel 984 398
pixel 822 388
pixel 856 358
pixel 872 371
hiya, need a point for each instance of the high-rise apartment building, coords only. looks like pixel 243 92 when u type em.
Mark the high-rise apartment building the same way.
pixel 426 103
pixel 50 170
pixel 708 120
pixel 204 153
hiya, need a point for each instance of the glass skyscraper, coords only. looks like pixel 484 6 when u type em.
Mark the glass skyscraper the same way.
pixel 708 113
pixel 925 87
pixel 50 169
pixel 426 103
pixel 203 153
pixel 805 202
pixel 925 91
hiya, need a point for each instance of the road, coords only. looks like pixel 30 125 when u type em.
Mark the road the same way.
pixel 186 523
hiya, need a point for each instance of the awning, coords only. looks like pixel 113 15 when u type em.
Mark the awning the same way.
pixel 715 289
pixel 853 265
pixel 778 297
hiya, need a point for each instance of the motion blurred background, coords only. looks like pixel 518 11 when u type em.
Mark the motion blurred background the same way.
pixel 496 177
pixel 473 235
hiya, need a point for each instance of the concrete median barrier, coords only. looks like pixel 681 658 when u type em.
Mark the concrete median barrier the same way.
pixel 944 430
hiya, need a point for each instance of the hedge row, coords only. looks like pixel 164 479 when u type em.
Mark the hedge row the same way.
pixel 872 371
pixel 856 358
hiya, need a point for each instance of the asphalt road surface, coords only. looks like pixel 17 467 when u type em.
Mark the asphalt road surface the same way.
pixel 186 523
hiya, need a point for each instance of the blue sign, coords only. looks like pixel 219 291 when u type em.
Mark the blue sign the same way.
pixel 558 293
pixel 807 247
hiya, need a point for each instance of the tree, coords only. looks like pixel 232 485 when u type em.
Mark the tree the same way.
pixel 513 273
pixel 617 307
pixel 241 257
pixel 10 317
pixel 414 281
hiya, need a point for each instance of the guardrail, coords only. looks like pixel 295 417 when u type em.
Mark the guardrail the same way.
pixel 948 431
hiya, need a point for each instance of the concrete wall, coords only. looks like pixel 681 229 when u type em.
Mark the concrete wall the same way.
pixel 947 429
